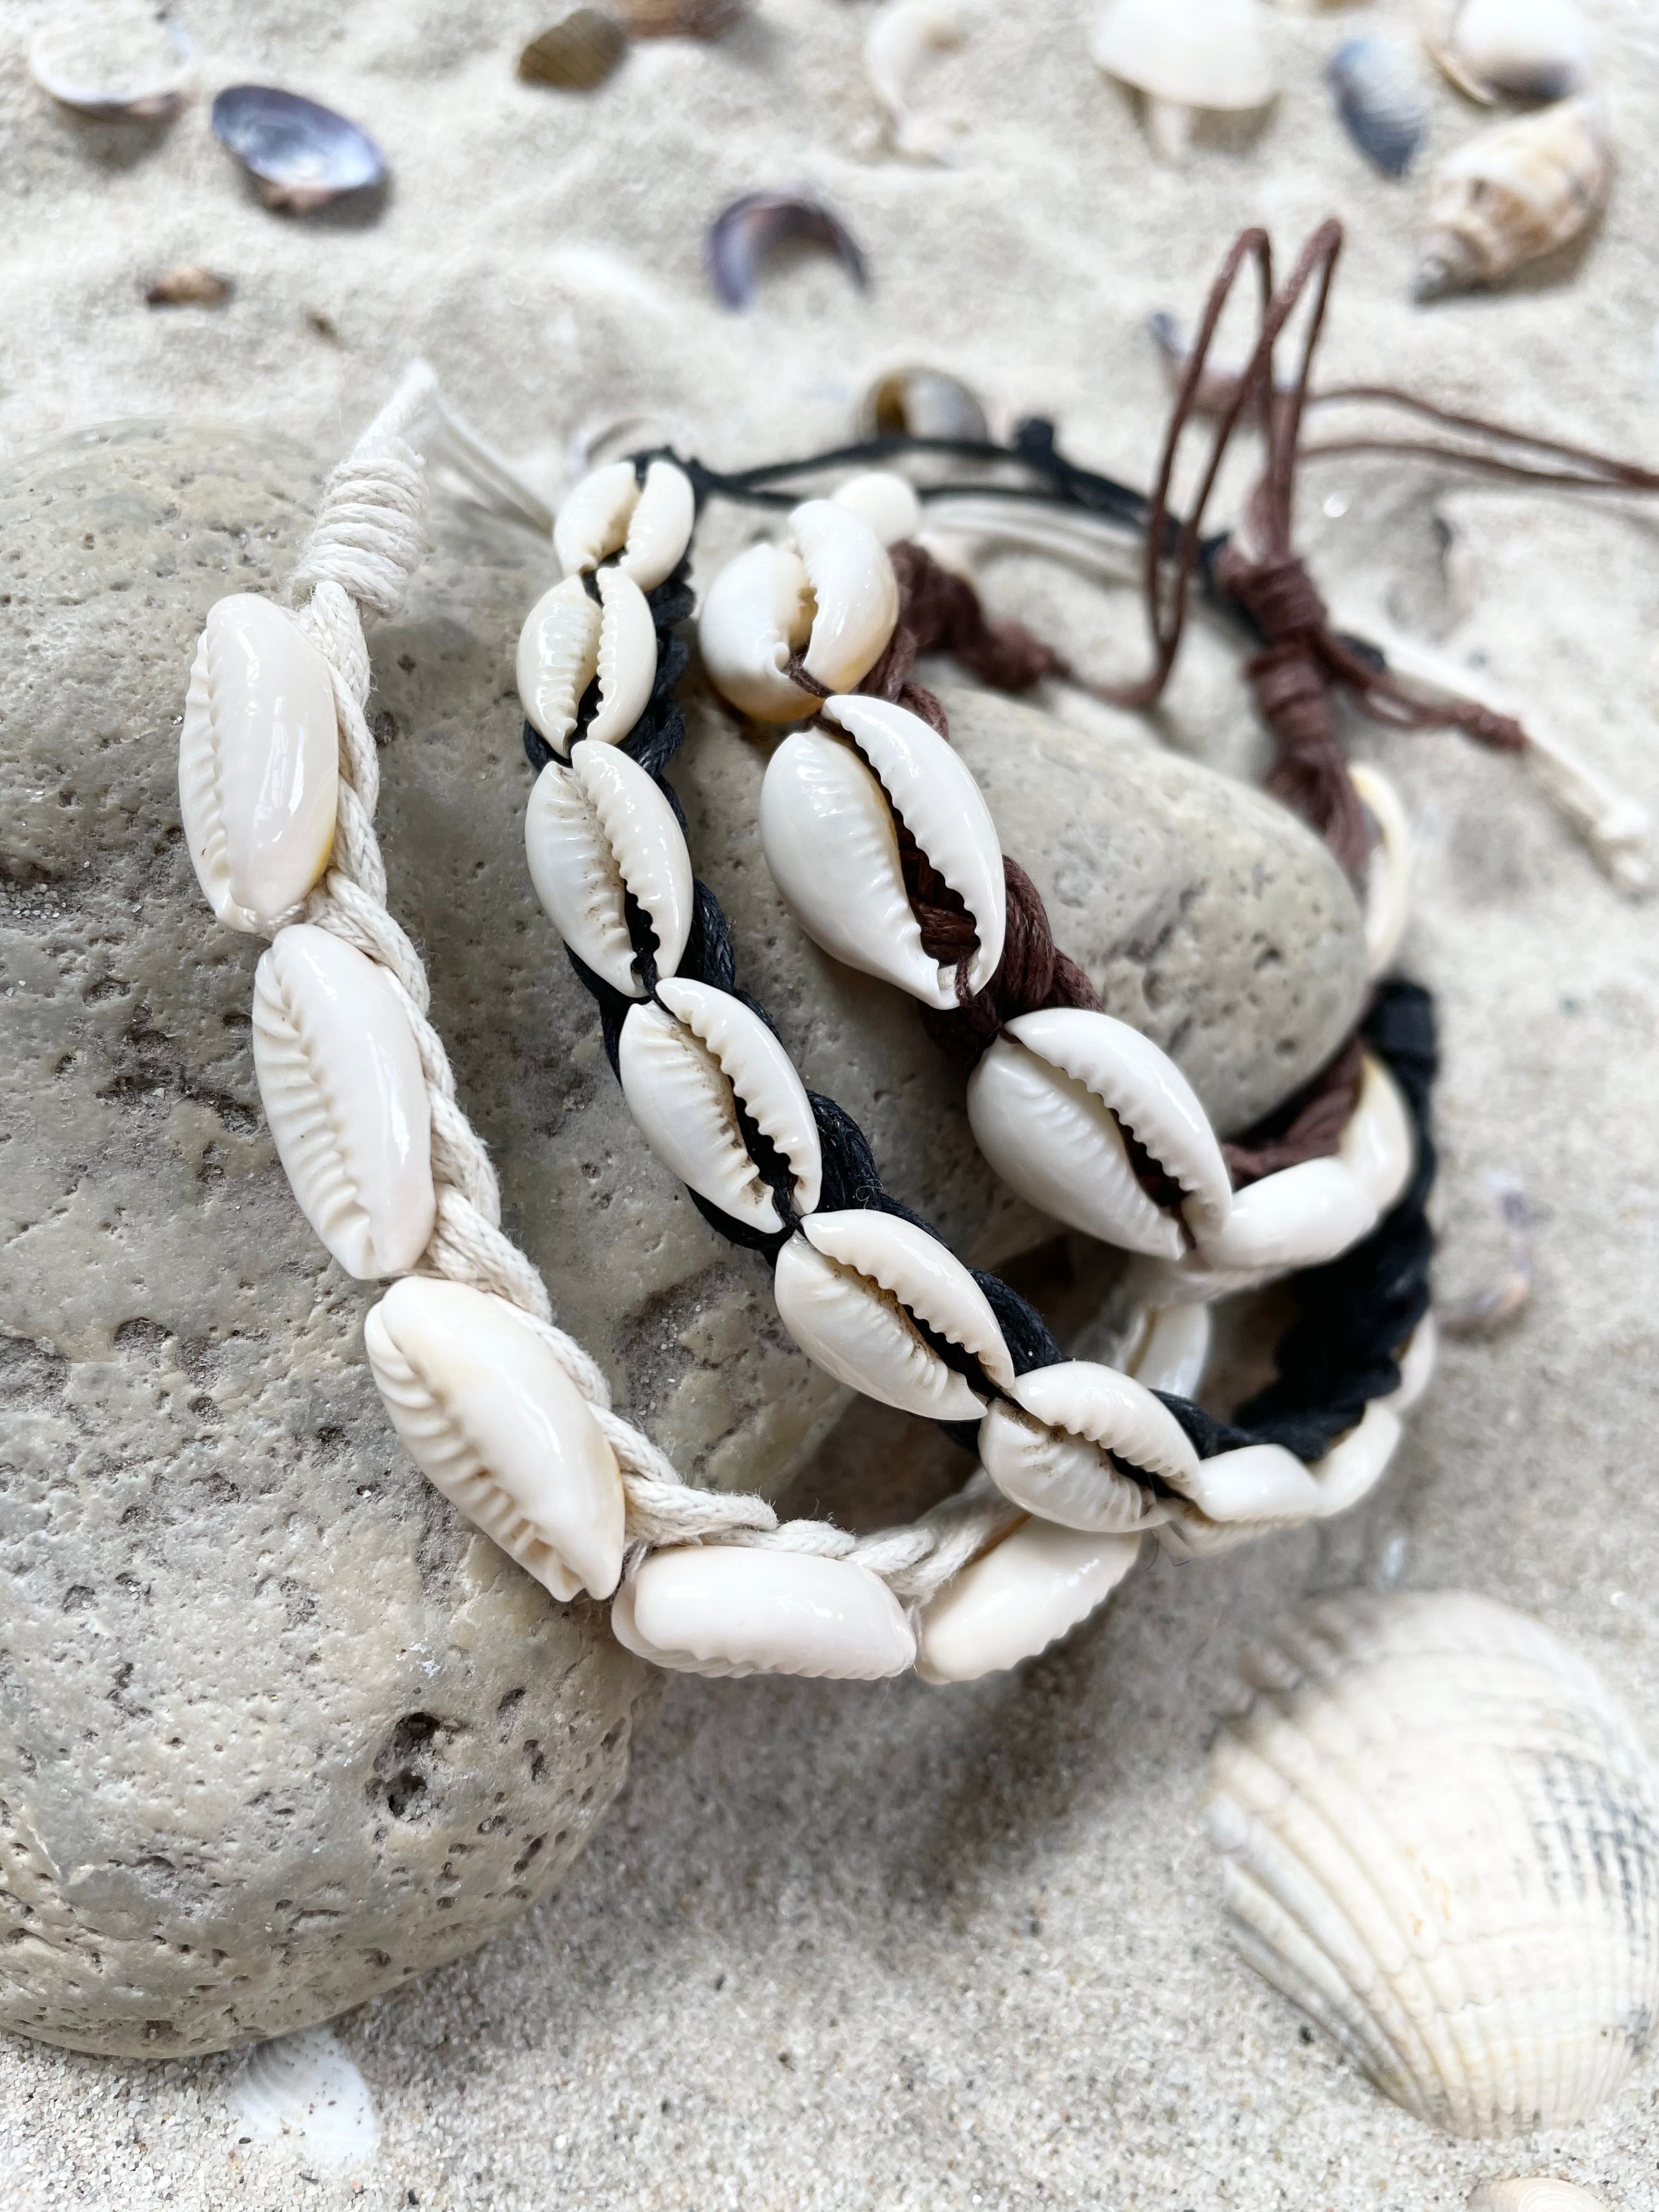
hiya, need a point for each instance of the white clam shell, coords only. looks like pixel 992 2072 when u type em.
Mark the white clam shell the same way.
pixel 258 763
pixel 1379 1146
pixel 627 658
pixel 1091 1431
pixel 755 615
pixel 340 1075
pixel 1298 1217
pixel 847 1288
pixel 886 501
pixel 1016 1599
pixel 1388 868
pixel 1045 1104
pixel 855 592
pixel 683 1064
pixel 659 528
pixel 592 523
pixel 1441 1832
pixel 724 1609
pixel 595 832
pixel 1512 194
pixel 1534 2192
pixel 491 1420
pixel 610 511
pixel 558 659
pixel 1184 56
pixel 1527 49
pixel 932 790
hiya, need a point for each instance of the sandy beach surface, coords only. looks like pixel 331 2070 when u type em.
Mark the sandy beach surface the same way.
pixel 846 1947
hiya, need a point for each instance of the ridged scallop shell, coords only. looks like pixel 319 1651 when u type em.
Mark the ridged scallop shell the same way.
pixel 1387 885
pixel 308 2085
pixel 491 1420
pixel 848 1287
pixel 595 833
pixel 1525 48
pixel 340 1075
pixel 833 598
pixel 1184 56
pixel 1534 2192
pixel 258 763
pixel 726 1610
pixel 685 1064
pixel 1379 1146
pixel 1048 1105
pixel 610 511
pixel 1513 194
pixel 1380 99
pixel 1299 1217
pixel 558 659
pixel 1078 1451
pixel 1016 1599
pixel 1442 1841
pixel 885 501
pixel 627 657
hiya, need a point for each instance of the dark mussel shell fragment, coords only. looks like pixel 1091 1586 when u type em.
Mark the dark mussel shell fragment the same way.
pixel 300 155
pixel 577 53
pixel 744 234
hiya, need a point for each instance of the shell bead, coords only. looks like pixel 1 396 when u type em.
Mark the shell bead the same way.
pixel 1441 1833
pixel 494 1422
pixel 558 659
pixel 659 528
pixel 1016 1599
pixel 855 592
pixel 258 763
pixel 592 523
pixel 595 833
pixel 756 613
pixel 1299 1217
pixel 344 1093
pixel 684 1064
pixel 627 657
pixel 1171 1349
pixel 728 1610
pixel 1095 1431
pixel 611 512
pixel 886 501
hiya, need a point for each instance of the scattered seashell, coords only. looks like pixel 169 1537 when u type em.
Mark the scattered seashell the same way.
pixel 1513 194
pixel 1441 1833
pixel 744 234
pixel 832 598
pixel 1379 1146
pixel 610 511
pixel 1299 1217
pixel 492 1421
pixel 1184 57
pixel 1380 99
pixel 850 1288
pixel 1490 1309
pixel 1016 1599
pixel 1387 885
pixel 306 2085
pixel 679 19
pixel 627 657
pixel 188 287
pixel 885 501
pixel 577 54
pixel 301 155
pixel 1049 1105
pixel 1536 2193
pixel 114 60
pixel 1525 48
pixel 598 833
pixel 1168 1348
pixel 685 1066
pixel 258 763
pixel 901 35
pixel 1078 1445
pixel 725 1610
pixel 922 403
pixel 340 1075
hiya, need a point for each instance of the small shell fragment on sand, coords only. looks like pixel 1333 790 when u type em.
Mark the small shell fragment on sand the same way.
pixel 921 403
pixel 900 36
pixel 114 60
pixel 577 54
pixel 300 155
pixel 756 226
pixel 190 286
pixel 679 19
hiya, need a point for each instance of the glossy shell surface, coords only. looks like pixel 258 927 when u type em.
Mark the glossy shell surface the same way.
pixel 886 501
pixel 627 657
pixel 755 615
pixel 492 1421
pixel 1379 1146
pixel 1018 1598
pixel 1388 879
pixel 1298 1217
pixel 611 512
pixel 1441 1834
pixel 727 1610
pixel 595 832
pixel 1533 2192
pixel 901 35
pixel 558 659
pixel 1078 1450
pixel 300 155
pixel 1169 1348
pixel 854 592
pixel 340 1076
pixel 1513 194
pixel 577 53
pixel 258 763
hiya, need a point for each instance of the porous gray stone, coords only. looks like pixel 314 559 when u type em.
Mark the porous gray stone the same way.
pixel 275 1729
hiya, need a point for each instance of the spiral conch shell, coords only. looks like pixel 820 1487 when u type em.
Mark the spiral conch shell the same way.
pixel 831 597
pixel 596 834
pixel 1441 1832
pixel 1513 194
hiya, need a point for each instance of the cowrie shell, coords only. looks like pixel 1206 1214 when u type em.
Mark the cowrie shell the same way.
pixel 258 763
pixel 1261 1483
pixel 885 501
pixel 627 657
pixel 683 1064
pixel 728 1610
pixel 1299 1217
pixel 1169 1348
pixel 855 592
pixel 492 1421
pixel 833 598
pixel 1016 1599
pixel 1379 1146
pixel 847 1287
pixel 558 659
pixel 1417 1363
pixel 593 833
pixel 1388 883
pixel 611 512
pixel 340 1075
pixel 1072 1454
pixel 1045 1104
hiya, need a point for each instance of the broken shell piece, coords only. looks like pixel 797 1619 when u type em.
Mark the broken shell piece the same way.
pixel 558 659
pixel 1048 1106
pixel 685 1065
pixel 1513 194
pixel 340 1076
pixel 850 1288
pixel 1379 97
pixel 680 19
pixel 1379 1146
pixel 301 155
pixel 1387 885
pixel 258 763
pixel 886 502
pixel 922 403
pixel 1299 1217
pixel 306 2086
pixel 1083 1456
pixel 627 657
pixel 1523 49
pixel 188 287
pixel 1440 1837
pixel 610 511
pixel 492 1421
pixel 746 233
pixel 1016 1599
pixel 729 1610
pixel 1184 57
pixel 833 599
pixel 900 36
pixel 114 60
pixel 596 834
pixel 577 54
pixel 1536 2192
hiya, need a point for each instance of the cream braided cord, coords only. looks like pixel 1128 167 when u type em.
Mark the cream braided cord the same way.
pixel 366 542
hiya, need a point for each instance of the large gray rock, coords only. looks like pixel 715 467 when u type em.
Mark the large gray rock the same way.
pixel 276 1729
